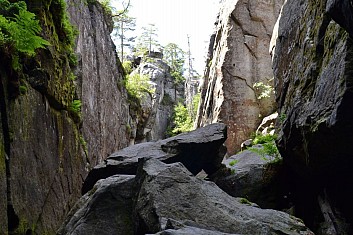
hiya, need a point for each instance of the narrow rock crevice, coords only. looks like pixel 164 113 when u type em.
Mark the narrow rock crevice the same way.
pixel 12 218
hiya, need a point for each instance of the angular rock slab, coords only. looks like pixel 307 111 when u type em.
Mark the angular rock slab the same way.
pixel 254 177
pixel 197 150
pixel 105 210
pixel 171 192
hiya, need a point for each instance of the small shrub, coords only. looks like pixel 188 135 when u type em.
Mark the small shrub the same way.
pixel 23 89
pixel 76 106
pixel 245 201
pixel 232 163
pixel 263 90
pixel 127 65
pixel 261 139
pixel 268 148
pixel 138 85
pixel 282 117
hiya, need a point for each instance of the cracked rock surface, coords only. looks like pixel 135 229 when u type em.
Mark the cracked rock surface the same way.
pixel 238 58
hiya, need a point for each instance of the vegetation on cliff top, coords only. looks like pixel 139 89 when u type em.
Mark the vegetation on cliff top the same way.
pixel 19 31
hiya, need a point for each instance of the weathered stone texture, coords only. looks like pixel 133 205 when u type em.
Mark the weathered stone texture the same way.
pixel 240 59
pixel 3 178
pixel 197 150
pixel 313 61
pixel 258 178
pixel 99 74
pixel 47 162
pixel 200 203
pixel 157 108
pixel 105 210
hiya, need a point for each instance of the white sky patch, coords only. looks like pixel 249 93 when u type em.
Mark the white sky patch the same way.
pixel 175 19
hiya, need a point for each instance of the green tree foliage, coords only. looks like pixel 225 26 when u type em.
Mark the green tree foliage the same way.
pixel 147 40
pixel 195 105
pixel 123 25
pixel 19 30
pixel 182 120
pixel 138 85
pixel 174 56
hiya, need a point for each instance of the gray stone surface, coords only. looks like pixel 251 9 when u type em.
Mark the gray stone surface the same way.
pixel 105 210
pixel 46 161
pixel 197 150
pixel 201 203
pixel 3 178
pixel 252 176
pixel 99 80
pixel 312 61
pixel 157 109
pixel 240 59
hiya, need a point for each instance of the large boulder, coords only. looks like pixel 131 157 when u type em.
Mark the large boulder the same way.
pixel 105 210
pixel 239 72
pixel 312 62
pixel 171 192
pixel 197 150
pixel 256 177
pixel 167 199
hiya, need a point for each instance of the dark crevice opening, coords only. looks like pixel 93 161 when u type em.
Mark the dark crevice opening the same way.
pixel 12 218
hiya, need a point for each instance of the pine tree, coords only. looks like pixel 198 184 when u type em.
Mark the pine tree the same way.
pixel 148 39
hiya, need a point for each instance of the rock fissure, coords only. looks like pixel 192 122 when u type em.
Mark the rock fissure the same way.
pixel 240 78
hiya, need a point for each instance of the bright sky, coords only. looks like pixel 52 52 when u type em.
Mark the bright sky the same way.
pixel 175 19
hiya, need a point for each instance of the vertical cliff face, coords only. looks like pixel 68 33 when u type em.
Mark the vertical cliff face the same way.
pixel 43 139
pixel 313 61
pixel 104 101
pixel 157 108
pixel 239 60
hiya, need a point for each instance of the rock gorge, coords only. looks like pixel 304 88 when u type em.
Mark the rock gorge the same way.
pixel 50 154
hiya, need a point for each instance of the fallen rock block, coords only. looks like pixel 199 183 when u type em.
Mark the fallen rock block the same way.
pixel 197 150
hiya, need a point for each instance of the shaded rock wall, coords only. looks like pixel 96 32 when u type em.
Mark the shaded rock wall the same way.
pixel 313 61
pixel 44 140
pixel 240 58
pixel 104 101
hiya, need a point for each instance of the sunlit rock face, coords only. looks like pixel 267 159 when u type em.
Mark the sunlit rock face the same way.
pixel 100 87
pixel 312 61
pixel 155 116
pixel 239 59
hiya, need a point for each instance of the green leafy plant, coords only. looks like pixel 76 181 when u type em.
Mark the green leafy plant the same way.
pixel 261 139
pixel 138 85
pixel 282 117
pixel 263 90
pixel 75 107
pixel 233 162
pixel 268 146
pixel 19 31
pixel 23 89
pixel 244 201
pixel 127 65
pixel 181 119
